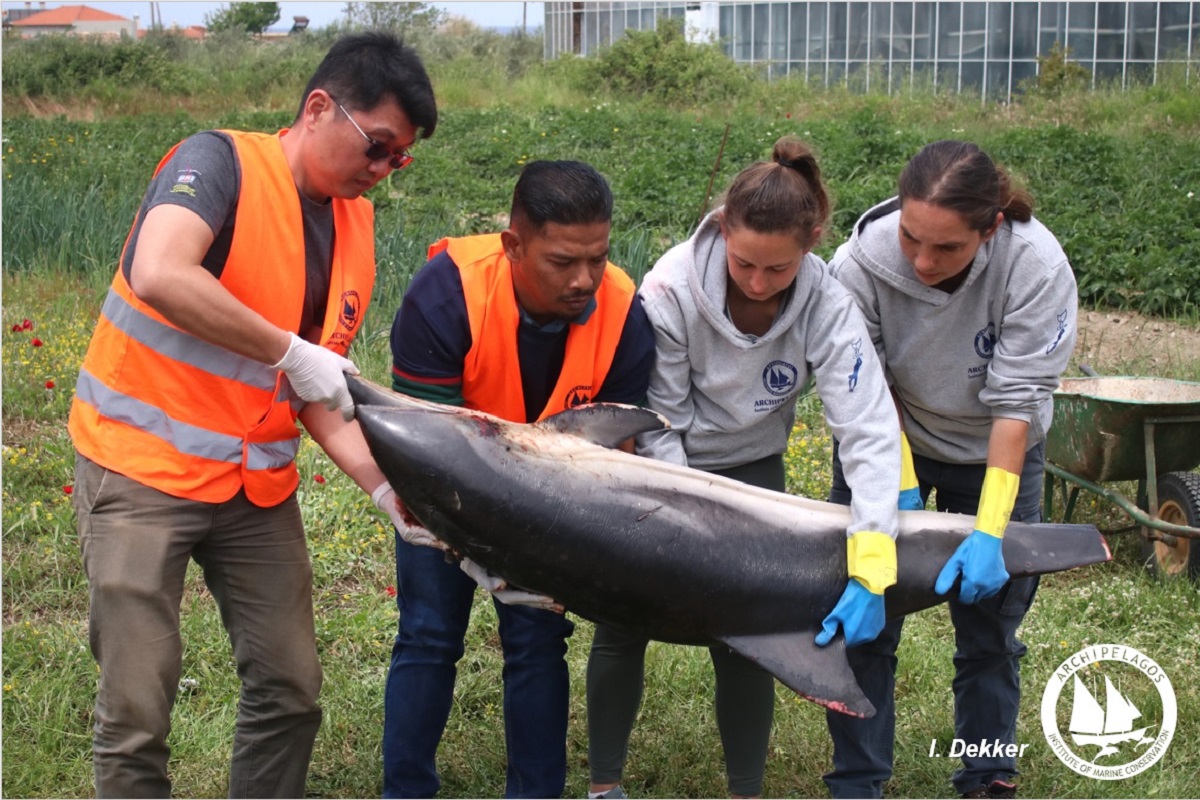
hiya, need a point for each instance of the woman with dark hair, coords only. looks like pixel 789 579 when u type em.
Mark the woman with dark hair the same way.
pixel 971 304
pixel 743 315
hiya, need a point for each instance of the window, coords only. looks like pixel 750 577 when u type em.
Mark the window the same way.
pixel 949 41
pixel 902 32
pixel 779 32
pixel 1053 27
pixel 798 32
pixel 1110 31
pixel 1081 33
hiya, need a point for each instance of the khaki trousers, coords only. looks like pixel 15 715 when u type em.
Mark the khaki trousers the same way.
pixel 136 544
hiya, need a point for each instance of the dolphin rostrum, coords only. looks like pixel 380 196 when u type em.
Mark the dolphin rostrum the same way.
pixel 674 553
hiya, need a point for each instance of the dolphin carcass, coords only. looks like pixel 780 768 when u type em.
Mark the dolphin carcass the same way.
pixel 677 554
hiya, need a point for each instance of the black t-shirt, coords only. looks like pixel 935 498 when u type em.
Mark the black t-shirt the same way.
pixel 204 175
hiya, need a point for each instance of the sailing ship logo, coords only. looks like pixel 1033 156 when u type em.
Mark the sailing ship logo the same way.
pixel 1117 729
pixel 1104 726
pixel 779 378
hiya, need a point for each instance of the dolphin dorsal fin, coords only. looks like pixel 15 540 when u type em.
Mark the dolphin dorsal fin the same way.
pixel 605 424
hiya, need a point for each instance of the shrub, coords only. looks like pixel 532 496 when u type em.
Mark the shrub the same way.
pixel 663 65
pixel 1057 73
pixel 58 65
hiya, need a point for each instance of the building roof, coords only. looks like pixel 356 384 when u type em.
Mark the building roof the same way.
pixel 66 16
pixel 190 32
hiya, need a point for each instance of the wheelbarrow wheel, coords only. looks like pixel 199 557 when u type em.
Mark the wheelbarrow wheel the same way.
pixel 1179 504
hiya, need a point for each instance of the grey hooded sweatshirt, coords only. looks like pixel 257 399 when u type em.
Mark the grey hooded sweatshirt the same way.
pixel 730 396
pixel 994 347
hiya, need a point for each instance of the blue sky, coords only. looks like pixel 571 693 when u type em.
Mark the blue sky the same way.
pixel 487 14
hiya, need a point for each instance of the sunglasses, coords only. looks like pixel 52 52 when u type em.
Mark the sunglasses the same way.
pixel 376 150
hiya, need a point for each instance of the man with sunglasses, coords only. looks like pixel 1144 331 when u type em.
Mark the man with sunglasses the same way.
pixel 242 283
pixel 522 324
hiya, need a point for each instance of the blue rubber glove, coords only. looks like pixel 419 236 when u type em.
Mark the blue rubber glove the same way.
pixel 910 500
pixel 980 562
pixel 859 612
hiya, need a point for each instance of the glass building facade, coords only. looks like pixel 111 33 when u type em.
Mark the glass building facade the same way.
pixel 887 45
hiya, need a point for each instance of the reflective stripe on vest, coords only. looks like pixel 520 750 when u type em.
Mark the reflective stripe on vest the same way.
pixel 491 369
pixel 185 438
pixel 190 418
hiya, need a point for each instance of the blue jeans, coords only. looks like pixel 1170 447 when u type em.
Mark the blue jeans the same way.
pixel 987 682
pixel 435 598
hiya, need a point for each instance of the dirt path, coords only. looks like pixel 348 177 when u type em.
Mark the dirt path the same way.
pixel 1124 343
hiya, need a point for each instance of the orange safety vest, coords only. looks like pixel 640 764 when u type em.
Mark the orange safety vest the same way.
pixel 492 371
pixel 197 421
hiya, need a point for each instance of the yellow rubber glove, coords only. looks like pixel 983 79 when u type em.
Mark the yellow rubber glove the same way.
pixel 910 488
pixel 871 557
pixel 996 501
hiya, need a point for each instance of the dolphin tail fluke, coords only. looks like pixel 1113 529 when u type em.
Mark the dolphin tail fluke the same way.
pixel 819 674
pixel 1050 547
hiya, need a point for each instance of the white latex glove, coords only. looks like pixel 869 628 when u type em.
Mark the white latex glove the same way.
pixel 315 373
pixel 496 585
pixel 385 499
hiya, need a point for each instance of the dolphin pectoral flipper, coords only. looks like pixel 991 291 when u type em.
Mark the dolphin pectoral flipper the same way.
pixel 605 424
pixel 820 674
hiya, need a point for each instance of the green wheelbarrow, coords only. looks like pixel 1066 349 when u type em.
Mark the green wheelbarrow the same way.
pixel 1125 428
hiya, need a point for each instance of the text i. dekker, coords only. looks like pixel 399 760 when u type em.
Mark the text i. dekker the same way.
pixel 981 749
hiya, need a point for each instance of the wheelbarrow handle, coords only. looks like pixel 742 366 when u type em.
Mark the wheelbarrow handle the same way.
pixel 1086 369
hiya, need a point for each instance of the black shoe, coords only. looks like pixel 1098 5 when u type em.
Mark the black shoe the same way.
pixel 997 789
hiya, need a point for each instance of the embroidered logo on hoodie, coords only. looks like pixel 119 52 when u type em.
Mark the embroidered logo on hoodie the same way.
pixel 779 378
pixel 1062 329
pixel 857 345
pixel 985 341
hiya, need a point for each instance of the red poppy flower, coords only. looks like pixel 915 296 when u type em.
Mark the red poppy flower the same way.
pixel 49 384
pixel 390 590
pixel 17 328
pixel 36 342
pixel 787 115
pixel 68 489
pixel 319 478
pixel 26 325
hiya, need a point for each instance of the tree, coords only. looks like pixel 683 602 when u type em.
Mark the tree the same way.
pixel 252 17
pixel 402 18
pixel 1057 73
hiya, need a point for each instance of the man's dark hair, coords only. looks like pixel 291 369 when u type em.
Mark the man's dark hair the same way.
pixel 562 192
pixel 362 70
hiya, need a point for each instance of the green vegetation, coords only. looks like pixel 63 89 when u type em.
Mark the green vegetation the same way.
pixel 1115 176
pixel 246 17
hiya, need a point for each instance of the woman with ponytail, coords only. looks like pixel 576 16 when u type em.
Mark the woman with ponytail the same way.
pixel 744 315
pixel 970 303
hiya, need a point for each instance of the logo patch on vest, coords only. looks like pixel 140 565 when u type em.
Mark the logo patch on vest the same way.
pixel 351 308
pixel 579 396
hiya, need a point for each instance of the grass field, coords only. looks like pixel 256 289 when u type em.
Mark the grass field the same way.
pixel 1116 186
